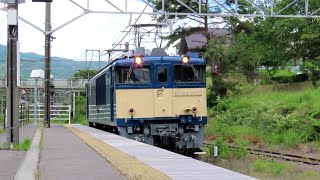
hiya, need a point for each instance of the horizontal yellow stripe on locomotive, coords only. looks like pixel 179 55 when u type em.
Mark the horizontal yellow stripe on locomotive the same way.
pixel 165 102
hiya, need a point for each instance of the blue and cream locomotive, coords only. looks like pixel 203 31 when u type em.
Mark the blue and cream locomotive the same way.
pixel 156 99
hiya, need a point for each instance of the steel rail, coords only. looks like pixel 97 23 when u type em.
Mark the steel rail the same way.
pixel 277 155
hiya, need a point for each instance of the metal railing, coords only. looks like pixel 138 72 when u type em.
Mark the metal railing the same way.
pixel 58 112
pixel 23 116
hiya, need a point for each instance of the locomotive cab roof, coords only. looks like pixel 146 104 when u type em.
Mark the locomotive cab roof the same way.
pixel 147 60
pixel 157 56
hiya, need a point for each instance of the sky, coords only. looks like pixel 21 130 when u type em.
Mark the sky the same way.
pixel 92 31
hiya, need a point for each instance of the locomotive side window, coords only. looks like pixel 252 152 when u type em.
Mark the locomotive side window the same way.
pixel 133 75
pixel 189 73
pixel 162 74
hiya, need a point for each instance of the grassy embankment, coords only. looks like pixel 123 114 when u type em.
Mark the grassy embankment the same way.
pixel 278 117
pixel 268 118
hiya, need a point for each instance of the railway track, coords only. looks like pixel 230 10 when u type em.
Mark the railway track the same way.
pixel 277 155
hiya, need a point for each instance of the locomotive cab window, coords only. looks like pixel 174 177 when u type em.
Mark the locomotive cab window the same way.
pixel 162 74
pixel 189 73
pixel 132 75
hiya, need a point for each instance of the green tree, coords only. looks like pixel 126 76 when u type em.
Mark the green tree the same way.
pixel 216 56
pixel 244 52
pixel 85 74
pixel 175 6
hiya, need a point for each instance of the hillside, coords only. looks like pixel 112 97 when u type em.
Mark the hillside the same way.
pixel 284 118
pixel 25 55
pixel 61 68
pixel 267 118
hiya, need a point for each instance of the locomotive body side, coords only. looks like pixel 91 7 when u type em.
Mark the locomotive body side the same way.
pixel 100 101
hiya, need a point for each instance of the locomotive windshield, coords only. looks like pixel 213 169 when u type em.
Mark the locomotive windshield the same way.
pixel 189 73
pixel 133 75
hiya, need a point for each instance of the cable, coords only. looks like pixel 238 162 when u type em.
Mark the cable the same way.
pixel 130 28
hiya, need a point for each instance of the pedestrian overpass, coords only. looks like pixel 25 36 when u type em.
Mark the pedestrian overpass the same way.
pixel 60 84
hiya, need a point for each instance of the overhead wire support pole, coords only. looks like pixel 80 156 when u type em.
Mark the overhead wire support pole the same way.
pixel 114 6
pixel 47 65
pixel 307 7
pixel 272 7
pixel 287 6
pixel 12 79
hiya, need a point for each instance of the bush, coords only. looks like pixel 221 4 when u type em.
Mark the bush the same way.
pixel 80 116
pixel 292 79
pixel 220 89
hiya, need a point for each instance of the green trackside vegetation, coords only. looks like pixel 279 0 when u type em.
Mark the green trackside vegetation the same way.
pixel 1 123
pixel 80 117
pixel 284 119
pixel 274 117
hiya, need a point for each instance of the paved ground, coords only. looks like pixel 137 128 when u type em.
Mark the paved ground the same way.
pixel 11 160
pixel 9 163
pixel 65 156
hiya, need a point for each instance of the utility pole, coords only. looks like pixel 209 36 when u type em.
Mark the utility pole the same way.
pixel 47 65
pixel 12 89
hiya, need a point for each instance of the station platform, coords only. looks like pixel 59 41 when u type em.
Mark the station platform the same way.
pixel 137 160
pixel 65 156
pixel 11 160
pixel 81 152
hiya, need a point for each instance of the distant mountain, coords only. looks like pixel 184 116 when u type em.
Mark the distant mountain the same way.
pixel 61 68
pixel 3 52
pixel 26 56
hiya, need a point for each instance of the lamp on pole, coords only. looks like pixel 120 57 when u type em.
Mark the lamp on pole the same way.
pixel 36 74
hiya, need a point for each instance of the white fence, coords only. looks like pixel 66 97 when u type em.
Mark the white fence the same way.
pixel 58 112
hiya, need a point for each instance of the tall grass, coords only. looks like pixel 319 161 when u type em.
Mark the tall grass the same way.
pixel 283 118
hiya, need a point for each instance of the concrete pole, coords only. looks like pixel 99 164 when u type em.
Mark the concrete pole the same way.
pixel 47 65
pixel 12 89
pixel 35 101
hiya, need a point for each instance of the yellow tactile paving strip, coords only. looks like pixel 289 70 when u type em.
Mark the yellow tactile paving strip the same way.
pixel 126 164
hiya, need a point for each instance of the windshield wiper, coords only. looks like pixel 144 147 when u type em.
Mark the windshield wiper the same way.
pixel 195 72
pixel 129 73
